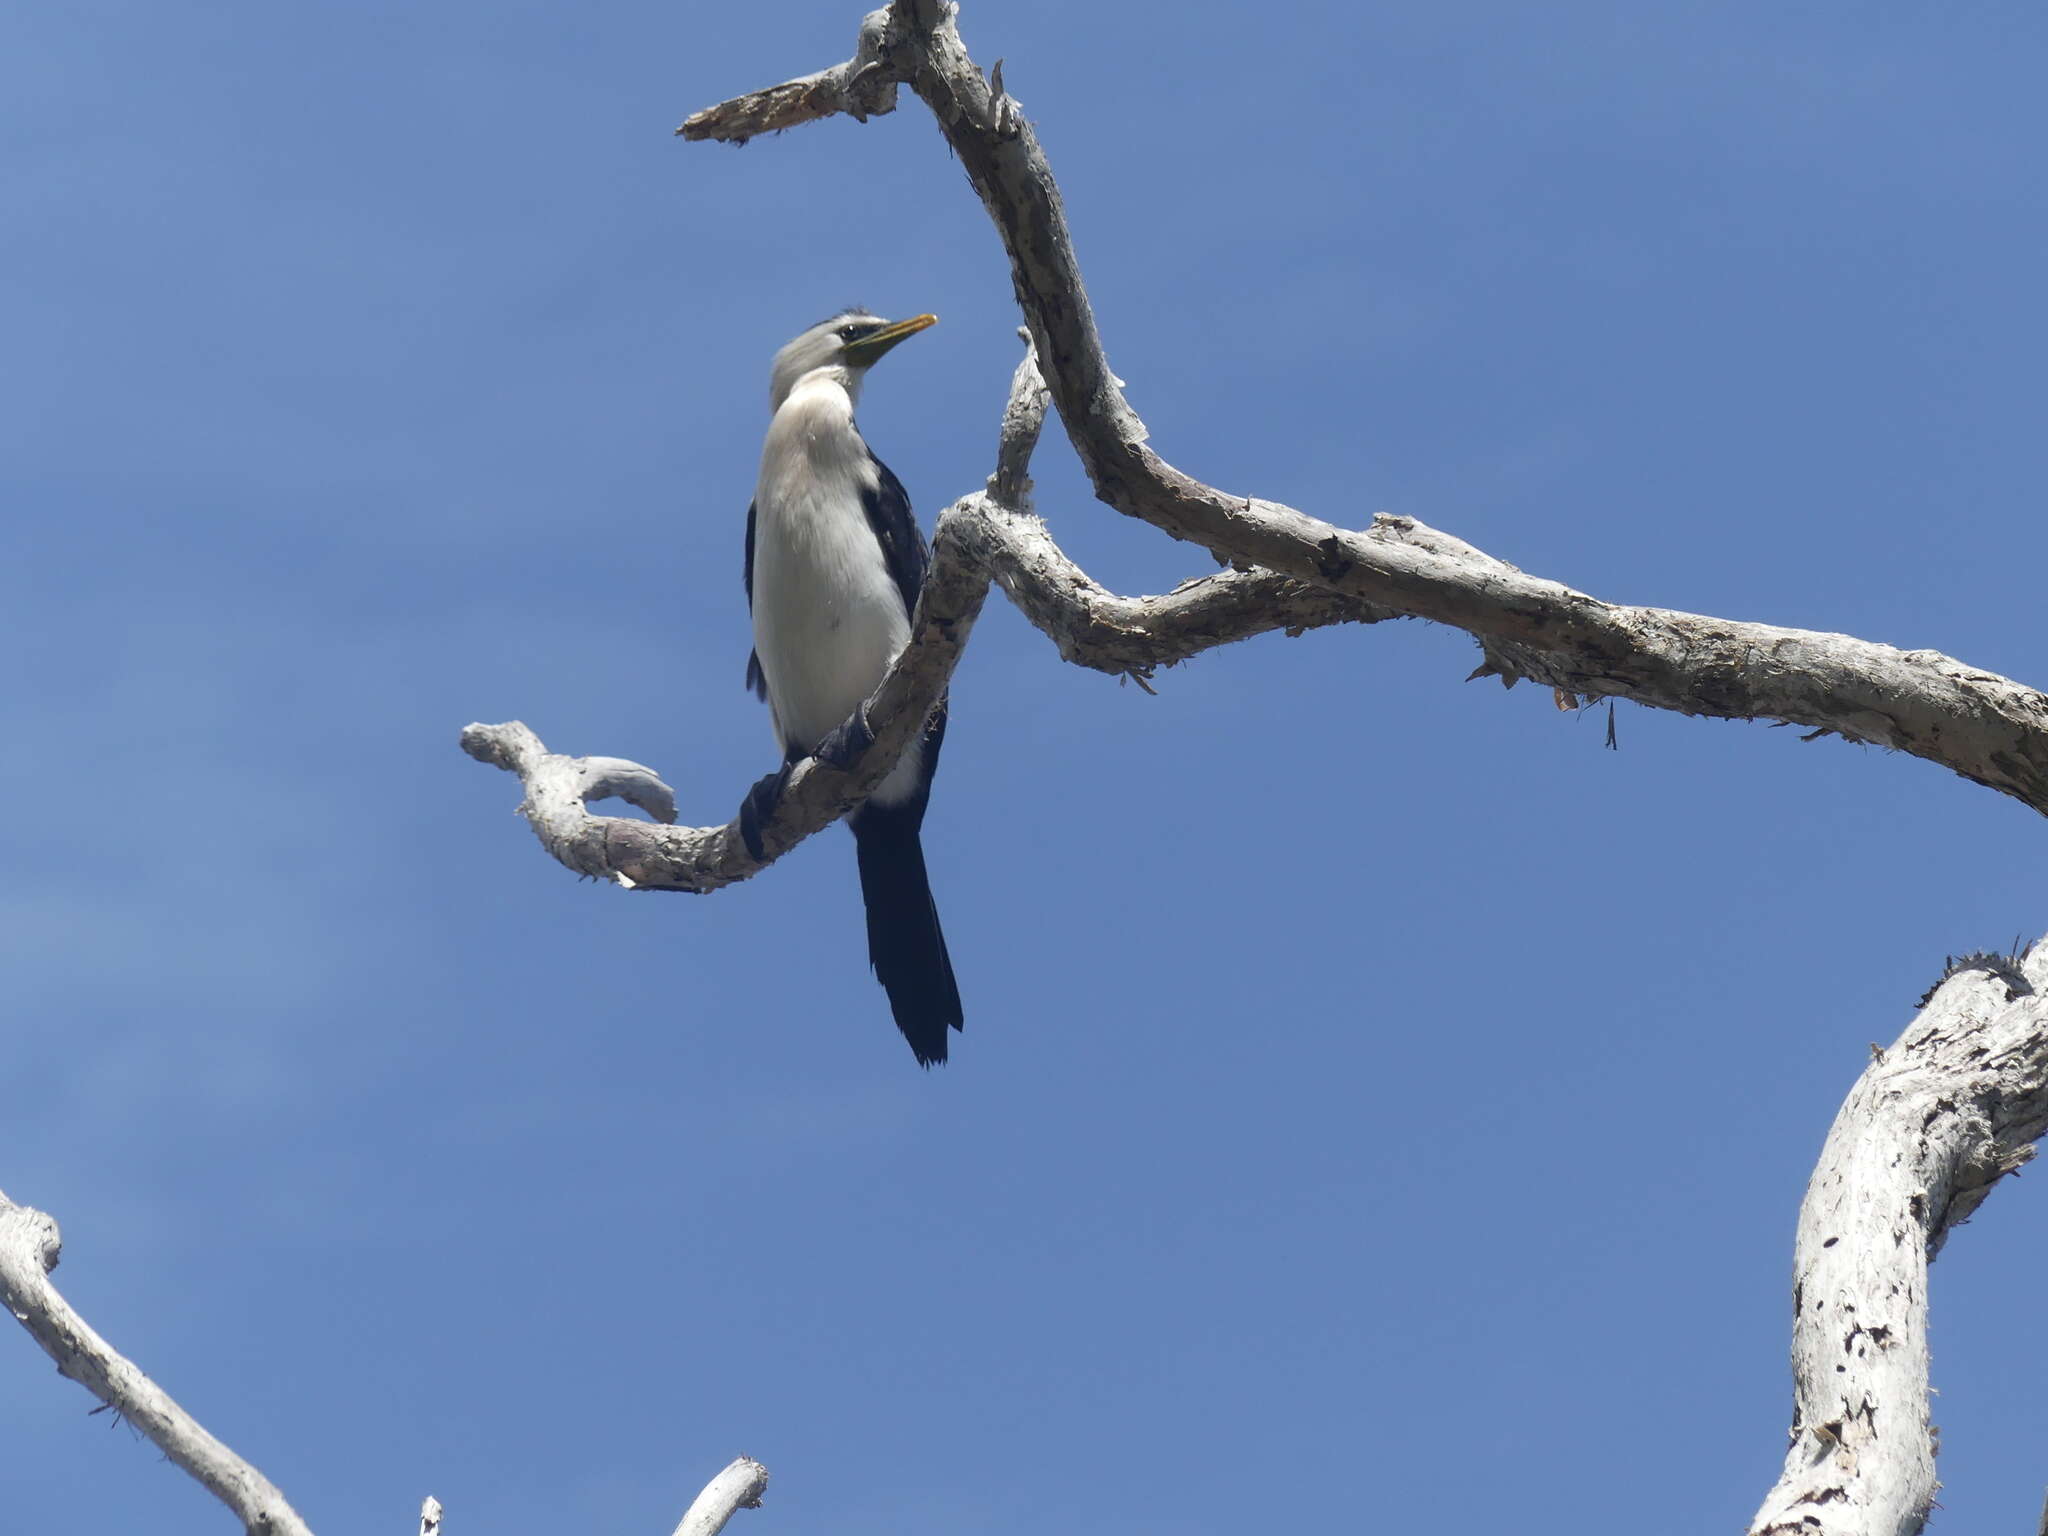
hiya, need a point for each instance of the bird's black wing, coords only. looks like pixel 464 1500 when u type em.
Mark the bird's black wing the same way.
pixel 888 509
pixel 756 679
pixel 903 547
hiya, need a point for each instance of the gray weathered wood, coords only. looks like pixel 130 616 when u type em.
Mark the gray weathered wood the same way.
pixel 648 856
pixel 1954 1106
pixel 1987 728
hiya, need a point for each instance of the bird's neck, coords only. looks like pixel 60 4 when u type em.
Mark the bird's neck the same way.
pixel 845 381
pixel 814 427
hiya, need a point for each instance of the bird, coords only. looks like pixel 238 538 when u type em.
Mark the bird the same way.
pixel 834 561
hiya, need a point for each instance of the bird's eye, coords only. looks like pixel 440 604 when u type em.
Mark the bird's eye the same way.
pixel 848 332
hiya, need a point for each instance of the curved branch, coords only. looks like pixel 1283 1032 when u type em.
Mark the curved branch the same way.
pixel 1929 1128
pixel 1987 728
pixel 648 856
pixel 1094 627
pixel 29 1248
pixel 738 1487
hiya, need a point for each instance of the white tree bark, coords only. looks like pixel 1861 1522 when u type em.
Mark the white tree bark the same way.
pixel 738 1487
pixel 30 1245
pixel 1935 1121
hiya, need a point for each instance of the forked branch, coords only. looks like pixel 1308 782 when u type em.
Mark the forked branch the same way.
pixel 30 1246
pixel 1987 728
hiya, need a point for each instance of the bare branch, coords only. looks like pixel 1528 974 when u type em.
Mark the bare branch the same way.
pixel 1023 417
pixel 647 856
pixel 29 1248
pixel 1929 1128
pixel 1094 627
pixel 862 87
pixel 738 1487
pixel 1985 727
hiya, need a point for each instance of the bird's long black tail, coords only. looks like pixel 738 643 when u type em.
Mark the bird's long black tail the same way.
pixel 905 943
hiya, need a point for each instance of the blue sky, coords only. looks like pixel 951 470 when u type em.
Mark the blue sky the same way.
pixel 1367 1076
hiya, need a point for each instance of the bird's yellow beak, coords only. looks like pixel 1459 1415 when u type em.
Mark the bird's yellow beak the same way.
pixel 870 347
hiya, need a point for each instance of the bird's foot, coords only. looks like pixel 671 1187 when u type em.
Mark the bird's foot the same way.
pixel 847 741
pixel 758 807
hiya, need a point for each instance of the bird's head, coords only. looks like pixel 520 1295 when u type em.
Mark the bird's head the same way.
pixel 852 341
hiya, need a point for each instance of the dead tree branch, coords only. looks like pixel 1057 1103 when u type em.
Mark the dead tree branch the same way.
pixel 30 1246
pixel 1987 728
pixel 1930 1127
pixel 1949 1110
pixel 862 87
pixel 738 1487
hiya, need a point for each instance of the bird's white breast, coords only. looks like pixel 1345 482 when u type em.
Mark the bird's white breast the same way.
pixel 828 618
